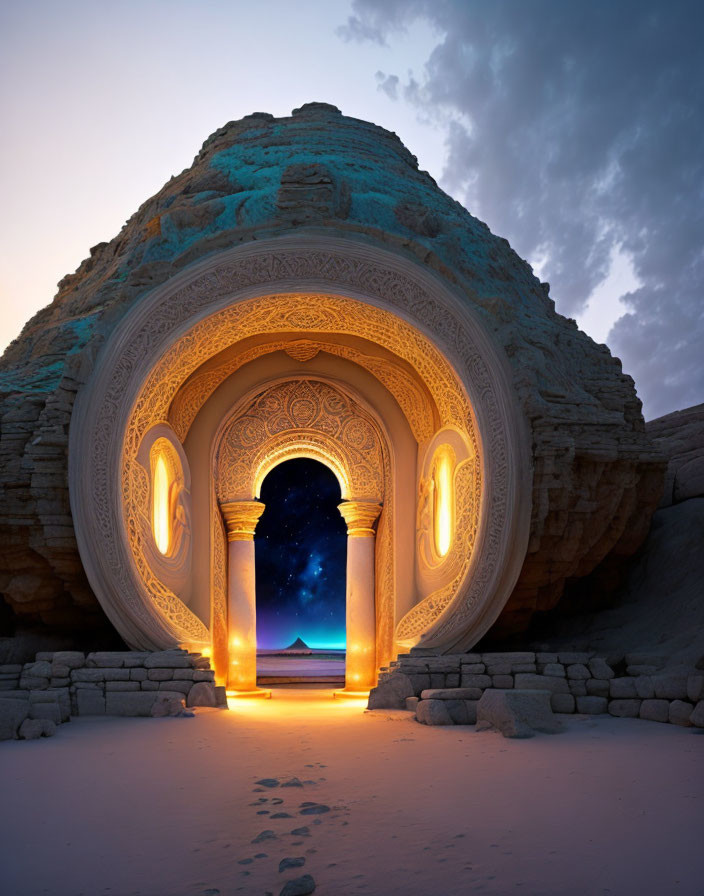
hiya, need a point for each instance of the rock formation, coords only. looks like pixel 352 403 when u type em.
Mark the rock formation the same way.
pixel 680 436
pixel 596 475
pixel 659 604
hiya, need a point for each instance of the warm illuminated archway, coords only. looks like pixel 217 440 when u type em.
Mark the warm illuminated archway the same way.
pixel 315 419
pixel 373 310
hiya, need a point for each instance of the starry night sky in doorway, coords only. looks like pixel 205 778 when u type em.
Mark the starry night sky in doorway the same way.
pixel 301 554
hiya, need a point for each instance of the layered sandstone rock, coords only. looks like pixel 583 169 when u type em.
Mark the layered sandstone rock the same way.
pixel 596 476
pixel 680 436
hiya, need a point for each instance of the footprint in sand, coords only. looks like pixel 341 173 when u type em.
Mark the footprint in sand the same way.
pixel 265 835
pixel 293 782
pixel 291 862
pixel 299 886
pixel 313 809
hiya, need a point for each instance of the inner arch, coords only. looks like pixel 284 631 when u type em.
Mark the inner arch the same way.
pixel 308 453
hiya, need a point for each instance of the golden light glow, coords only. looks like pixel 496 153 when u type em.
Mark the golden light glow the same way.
pixel 243 694
pixel 286 452
pixel 293 704
pixel 410 367
pixel 443 499
pixel 161 511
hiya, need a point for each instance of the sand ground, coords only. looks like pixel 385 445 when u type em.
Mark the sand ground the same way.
pixel 170 807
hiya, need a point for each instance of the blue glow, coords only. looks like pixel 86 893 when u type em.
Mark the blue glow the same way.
pixel 327 645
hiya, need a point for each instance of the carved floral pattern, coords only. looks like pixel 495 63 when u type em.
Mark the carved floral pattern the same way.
pixel 410 395
pixel 284 419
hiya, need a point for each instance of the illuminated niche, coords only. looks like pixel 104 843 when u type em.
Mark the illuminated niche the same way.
pixel 443 500
pixel 161 510
pixel 167 512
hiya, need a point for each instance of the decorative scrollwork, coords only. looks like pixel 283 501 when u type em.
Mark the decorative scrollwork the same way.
pixel 416 621
pixel 411 395
pixel 292 417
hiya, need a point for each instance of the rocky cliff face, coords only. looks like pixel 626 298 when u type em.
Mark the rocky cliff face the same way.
pixel 597 477
pixel 652 601
pixel 680 437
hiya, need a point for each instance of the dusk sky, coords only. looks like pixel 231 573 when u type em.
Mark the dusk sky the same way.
pixel 574 129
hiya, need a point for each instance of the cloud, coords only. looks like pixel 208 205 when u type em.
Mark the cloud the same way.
pixel 356 30
pixel 576 131
pixel 388 84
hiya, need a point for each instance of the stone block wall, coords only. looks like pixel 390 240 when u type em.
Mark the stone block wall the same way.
pixel 631 686
pixel 69 683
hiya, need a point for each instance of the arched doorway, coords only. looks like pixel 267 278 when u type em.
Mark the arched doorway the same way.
pixel 370 324
pixel 321 421
pixel 300 548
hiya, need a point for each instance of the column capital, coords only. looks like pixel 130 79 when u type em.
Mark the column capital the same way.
pixel 360 517
pixel 241 518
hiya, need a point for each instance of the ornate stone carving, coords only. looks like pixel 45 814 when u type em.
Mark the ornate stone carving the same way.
pixel 360 517
pixel 302 349
pixel 157 348
pixel 218 591
pixel 173 566
pixel 312 418
pixel 385 575
pixel 241 518
pixel 424 521
pixel 457 562
pixel 410 395
pixel 292 418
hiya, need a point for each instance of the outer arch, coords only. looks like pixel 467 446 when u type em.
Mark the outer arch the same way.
pixel 385 279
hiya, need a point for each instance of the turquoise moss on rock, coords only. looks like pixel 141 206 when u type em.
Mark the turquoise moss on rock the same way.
pixel 316 173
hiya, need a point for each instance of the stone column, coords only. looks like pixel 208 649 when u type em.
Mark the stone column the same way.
pixel 360 666
pixel 241 519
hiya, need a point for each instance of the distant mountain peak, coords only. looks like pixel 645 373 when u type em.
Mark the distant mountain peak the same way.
pixel 299 644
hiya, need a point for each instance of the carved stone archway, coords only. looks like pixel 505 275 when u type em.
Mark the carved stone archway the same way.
pixel 288 418
pixel 307 285
pixel 306 418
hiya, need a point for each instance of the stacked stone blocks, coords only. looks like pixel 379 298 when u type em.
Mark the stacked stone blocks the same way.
pixel 66 683
pixel 578 682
